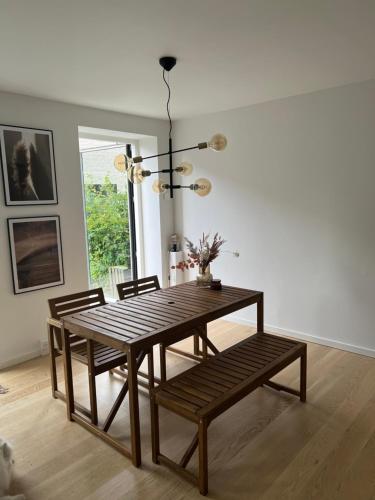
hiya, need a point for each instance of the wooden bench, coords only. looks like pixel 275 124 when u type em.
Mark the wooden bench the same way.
pixel 205 391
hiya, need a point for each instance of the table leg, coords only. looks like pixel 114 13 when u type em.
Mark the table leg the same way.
pixel 206 342
pixel 151 375
pixel 203 331
pixel 163 363
pixel 68 373
pixel 260 314
pixel 134 408
pixel 196 345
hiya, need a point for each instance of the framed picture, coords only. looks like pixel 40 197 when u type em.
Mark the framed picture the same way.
pixel 35 249
pixel 28 166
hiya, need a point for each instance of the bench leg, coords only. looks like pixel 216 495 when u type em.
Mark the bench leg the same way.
pixel 155 438
pixel 303 376
pixel 203 458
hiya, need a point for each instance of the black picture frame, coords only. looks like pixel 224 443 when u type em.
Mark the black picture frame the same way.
pixel 35 252
pixel 27 160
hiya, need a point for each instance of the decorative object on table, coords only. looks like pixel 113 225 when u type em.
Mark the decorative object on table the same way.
pixel 176 276
pixel 215 284
pixel 174 243
pixel 201 256
pixel 28 166
pixel 35 247
pixel 136 173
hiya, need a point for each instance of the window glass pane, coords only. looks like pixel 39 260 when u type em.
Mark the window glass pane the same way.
pixel 107 216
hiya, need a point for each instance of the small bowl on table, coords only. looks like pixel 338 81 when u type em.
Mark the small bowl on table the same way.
pixel 215 284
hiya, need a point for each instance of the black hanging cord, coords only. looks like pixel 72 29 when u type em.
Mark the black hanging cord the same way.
pixel 169 98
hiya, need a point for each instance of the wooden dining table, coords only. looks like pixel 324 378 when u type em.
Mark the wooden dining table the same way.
pixel 135 326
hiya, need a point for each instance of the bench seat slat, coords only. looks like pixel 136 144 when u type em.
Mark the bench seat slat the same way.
pixel 222 373
pixel 256 357
pixel 261 350
pixel 275 343
pixel 269 347
pixel 211 376
pixel 241 363
pixel 192 389
pixel 207 384
pixel 233 368
pixel 185 396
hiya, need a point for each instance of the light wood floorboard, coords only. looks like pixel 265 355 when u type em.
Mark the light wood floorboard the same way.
pixel 269 446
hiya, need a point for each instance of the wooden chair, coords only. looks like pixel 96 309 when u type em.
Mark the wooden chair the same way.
pixel 137 287
pixel 130 289
pixel 150 284
pixel 207 390
pixel 97 357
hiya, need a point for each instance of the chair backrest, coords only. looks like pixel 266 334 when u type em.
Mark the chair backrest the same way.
pixel 72 303
pixel 137 287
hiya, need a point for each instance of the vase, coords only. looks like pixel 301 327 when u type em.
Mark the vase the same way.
pixel 204 277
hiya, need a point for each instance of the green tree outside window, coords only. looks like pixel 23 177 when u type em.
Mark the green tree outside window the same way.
pixel 107 228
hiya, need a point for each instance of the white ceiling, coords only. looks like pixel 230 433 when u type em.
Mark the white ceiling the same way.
pixel 231 53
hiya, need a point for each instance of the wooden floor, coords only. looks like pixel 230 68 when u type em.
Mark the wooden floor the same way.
pixel 269 446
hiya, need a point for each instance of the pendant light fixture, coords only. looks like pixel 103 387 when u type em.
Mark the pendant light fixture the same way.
pixel 137 174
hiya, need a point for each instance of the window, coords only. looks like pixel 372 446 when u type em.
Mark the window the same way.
pixel 109 214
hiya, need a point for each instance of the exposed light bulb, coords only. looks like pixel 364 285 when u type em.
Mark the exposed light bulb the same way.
pixel 122 163
pixel 184 168
pixel 158 186
pixel 136 174
pixel 201 186
pixel 218 142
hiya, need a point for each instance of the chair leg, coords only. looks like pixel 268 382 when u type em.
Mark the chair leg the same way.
pixel 163 363
pixel 303 376
pixel 203 458
pixel 92 382
pixel 155 438
pixel 52 358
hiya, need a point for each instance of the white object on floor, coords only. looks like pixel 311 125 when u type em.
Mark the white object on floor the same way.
pixel 6 467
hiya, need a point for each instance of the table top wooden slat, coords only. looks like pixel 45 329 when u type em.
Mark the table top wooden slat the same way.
pixel 139 310
pixel 169 313
pixel 115 326
pixel 147 319
pixel 136 317
pixel 111 319
pixel 179 303
pixel 160 303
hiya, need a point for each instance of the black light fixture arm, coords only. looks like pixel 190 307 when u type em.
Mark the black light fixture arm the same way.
pixel 139 159
pixel 179 186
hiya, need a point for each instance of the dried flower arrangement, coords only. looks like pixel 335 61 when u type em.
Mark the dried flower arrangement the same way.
pixel 202 254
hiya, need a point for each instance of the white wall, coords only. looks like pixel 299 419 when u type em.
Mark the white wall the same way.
pixel 295 193
pixel 22 324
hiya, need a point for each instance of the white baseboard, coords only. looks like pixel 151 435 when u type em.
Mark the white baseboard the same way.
pixel 19 359
pixel 366 351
